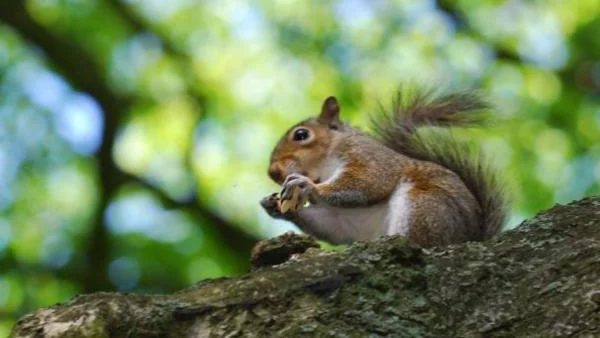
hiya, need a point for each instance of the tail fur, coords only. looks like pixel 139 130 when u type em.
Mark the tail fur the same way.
pixel 415 109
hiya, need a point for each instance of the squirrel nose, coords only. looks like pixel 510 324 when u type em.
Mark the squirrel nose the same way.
pixel 276 173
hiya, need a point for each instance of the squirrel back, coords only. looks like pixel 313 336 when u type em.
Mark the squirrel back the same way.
pixel 428 108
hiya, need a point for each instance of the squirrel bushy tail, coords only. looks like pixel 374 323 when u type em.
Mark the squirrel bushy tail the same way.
pixel 421 108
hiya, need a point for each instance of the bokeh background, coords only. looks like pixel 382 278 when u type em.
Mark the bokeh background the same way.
pixel 135 135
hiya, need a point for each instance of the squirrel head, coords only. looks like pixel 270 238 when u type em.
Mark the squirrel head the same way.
pixel 304 148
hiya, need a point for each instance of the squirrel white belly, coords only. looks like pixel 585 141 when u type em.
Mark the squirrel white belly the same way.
pixel 432 190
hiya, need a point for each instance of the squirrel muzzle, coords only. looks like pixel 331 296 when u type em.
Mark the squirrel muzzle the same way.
pixel 276 172
pixel 279 170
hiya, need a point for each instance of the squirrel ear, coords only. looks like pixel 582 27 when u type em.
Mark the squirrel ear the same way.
pixel 330 113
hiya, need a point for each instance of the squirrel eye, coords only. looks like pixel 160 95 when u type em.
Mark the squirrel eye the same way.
pixel 301 134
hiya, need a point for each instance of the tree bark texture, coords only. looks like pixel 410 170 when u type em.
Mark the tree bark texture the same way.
pixel 541 279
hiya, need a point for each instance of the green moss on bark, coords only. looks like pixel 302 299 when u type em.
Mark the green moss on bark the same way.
pixel 539 280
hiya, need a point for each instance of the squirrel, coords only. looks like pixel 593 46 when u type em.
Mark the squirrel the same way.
pixel 398 180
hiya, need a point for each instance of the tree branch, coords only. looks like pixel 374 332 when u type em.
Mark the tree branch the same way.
pixel 539 280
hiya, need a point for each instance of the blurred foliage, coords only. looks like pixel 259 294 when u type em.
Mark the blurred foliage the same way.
pixel 135 135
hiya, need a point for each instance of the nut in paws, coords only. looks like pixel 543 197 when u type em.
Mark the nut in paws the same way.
pixel 295 193
pixel 295 203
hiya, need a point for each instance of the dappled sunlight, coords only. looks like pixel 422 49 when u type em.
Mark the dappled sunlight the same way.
pixel 193 95
pixel 124 273
pixel 140 213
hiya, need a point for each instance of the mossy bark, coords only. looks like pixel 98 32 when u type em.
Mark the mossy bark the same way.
pixel 539 280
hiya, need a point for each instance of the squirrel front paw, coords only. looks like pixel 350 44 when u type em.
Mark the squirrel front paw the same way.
pixel 293 197
pixel 296 189
pixel 271 204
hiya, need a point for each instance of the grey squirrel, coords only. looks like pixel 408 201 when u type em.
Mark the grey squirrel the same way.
pixel 431 189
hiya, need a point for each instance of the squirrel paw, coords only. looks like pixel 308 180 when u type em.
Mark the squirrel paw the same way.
pixel 293 182
pixel 271 205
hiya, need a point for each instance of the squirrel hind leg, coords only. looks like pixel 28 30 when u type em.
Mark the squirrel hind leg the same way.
pixel 439 220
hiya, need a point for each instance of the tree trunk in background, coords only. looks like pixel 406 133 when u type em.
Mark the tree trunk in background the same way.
pixel 540 280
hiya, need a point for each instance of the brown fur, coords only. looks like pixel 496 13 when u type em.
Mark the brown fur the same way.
pixel 399 131
pixel 452 197
pixel 444 210
pixel 367 163
pixel 306 157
